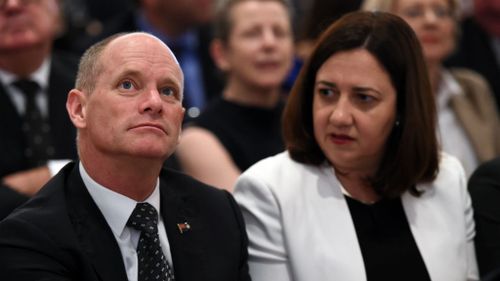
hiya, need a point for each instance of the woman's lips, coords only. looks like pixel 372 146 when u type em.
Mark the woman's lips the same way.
pixel 341 139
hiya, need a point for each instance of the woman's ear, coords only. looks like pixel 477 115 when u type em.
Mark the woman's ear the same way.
pixel 76 107
pixel 218 50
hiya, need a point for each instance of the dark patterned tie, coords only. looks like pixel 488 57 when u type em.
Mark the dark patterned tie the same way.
pixel 36 129
pixel 152 263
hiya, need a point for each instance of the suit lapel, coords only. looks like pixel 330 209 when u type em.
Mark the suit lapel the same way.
pixel 178 208
pixel 478 133
pixel 96 238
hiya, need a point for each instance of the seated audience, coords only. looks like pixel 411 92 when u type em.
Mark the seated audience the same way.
pixel 34 81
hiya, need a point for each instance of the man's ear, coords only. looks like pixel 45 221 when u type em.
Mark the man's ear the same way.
pixel 219 54
pixel 76 107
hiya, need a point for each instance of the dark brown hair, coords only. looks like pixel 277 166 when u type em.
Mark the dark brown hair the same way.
pixel 411 154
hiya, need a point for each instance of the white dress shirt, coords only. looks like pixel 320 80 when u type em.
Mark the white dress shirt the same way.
pixel 116 209
pixel 452 136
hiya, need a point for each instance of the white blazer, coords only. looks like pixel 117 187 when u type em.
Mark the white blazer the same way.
pixel 300 228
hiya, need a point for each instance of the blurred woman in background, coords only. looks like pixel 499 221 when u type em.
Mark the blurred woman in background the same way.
pixel 469 127
pixel 253 46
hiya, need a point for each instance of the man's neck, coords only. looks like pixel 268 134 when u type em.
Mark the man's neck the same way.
pixel 134 178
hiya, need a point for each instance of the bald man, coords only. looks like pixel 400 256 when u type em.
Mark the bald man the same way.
pixel 117 214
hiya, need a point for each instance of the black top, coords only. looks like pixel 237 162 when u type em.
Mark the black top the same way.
pixel 387 245
pixel 484 189
pixel 248 133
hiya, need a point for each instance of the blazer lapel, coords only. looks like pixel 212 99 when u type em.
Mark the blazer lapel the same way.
pixel 184 230
pixel 96 238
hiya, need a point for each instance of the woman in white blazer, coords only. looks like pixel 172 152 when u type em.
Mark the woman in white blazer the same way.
pixel 362 192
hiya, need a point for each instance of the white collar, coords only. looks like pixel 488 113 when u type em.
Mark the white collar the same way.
pixel 448 88
pixel 116 207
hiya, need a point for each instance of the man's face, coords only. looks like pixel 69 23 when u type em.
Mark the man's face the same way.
pixel 28 23
pixel 135 110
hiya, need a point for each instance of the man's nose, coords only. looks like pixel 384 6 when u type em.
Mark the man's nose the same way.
pixel 152 101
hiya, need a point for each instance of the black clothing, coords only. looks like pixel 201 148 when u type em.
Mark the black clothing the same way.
pixel 387 244
pixel 248 133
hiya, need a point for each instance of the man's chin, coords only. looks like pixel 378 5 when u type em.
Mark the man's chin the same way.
pixel 152 153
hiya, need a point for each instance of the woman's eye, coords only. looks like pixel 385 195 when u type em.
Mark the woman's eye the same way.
pixel 126 85
pixel 326 92
pixel 365 98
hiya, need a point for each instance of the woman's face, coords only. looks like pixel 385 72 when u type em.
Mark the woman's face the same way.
pixel 260 46
pixel 433 22
pixel 354 110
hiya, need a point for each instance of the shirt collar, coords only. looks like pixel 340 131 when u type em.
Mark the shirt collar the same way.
pixel 116 207
pixel 41 75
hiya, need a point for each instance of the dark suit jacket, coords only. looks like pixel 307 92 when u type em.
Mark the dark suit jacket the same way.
pixel 60 234
pixel 484 189
pixel 61 81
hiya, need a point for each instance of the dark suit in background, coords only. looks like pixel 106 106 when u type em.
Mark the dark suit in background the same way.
pixel 484 188
pixel 61 234
pixel 12 145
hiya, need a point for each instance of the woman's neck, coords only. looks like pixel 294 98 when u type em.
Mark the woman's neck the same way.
pixel 358 186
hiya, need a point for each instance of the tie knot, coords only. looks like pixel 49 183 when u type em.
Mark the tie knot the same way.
pixel 144 218
pixel 28 87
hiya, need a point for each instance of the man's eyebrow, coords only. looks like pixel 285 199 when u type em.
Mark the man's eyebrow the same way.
pixel 129 72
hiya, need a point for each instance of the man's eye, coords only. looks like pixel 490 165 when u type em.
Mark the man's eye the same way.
pixel 167 91
pixel 126 85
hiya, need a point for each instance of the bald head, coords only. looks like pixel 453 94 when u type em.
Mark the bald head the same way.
pixel 91 66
